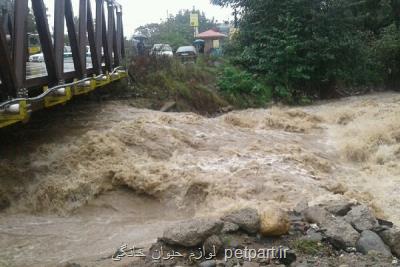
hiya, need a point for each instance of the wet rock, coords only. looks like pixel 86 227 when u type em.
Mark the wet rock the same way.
pixel 340 233
pixel 361 218
pixel 317 215
pixel 191 233
pixel 213 242
pixel 274 222
pixel 391 237
pixel 247 219
pixel 339 207
pixel 230 228
pixel 313 235
pixel 211 263
pixel 371 242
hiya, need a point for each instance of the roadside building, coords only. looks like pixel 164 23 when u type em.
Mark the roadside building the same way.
pixel 213 41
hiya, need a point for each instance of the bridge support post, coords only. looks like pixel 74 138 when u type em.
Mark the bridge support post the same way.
pixel 7 74
pixel 59 11
pixel 20 48
pixel 39 10
pixel 96 60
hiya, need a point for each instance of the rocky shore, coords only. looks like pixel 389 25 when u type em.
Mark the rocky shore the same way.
pixel 337 233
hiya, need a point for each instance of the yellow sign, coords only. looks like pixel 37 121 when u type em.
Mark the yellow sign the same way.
pixel 194 20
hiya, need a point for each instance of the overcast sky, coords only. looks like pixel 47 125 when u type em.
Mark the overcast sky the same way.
pixel 140 12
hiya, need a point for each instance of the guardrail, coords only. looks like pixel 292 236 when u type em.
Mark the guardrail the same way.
pixel 19 95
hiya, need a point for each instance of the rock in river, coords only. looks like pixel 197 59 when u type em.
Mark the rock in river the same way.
pixel 392 238
pixel 361 218
pixel 338 207
pixel 191 233
pixel 340 233
pixel 371 242
pixel 247 219
pixel 274 222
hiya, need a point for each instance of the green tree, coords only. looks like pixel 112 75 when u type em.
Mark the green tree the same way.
pixel 308 47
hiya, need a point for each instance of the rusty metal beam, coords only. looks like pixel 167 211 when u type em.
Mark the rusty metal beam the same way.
pixel 7 73
pixel 39 10
pixel 96 61
pixel 117 39
pixel 59 13
pixel 120 26
pixel 73 39
pixel 111 32
pixel 8 27
pixel 83 33
pixel 99 29
pixel 20 48
pixel 106 47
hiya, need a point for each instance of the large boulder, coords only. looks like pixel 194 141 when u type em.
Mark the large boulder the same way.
pixel 337 231
pixel 371 242
pixel 247 219
pixel 338 207
pixel 274 222
pixel 230 228
pixel 317 214
pixel 361 218
pixel 391 237
pixel 340 233
pixel 191 233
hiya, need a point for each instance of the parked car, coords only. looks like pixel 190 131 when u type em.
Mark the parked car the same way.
pixel 186 53
pixel 162 50
pixel 36 58
pixel 67 54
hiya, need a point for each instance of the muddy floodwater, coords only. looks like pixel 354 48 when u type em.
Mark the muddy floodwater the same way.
pixel 77 183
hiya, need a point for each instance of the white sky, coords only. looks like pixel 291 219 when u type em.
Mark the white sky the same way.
pixel 140 12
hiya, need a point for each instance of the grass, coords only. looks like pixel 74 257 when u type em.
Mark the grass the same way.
pixel 192 86
pixel 308 247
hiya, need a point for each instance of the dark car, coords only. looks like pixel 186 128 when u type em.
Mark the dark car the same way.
pixel 187 53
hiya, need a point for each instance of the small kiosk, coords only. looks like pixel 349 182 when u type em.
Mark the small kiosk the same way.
pixel 213 41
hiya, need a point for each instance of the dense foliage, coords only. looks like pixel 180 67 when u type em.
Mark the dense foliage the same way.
pixel 310 47
pixel 243 88
pixel 176 30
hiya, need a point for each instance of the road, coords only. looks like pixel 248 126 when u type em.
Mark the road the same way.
pixel 38 69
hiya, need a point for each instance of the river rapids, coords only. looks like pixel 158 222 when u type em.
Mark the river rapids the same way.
pixel 78 184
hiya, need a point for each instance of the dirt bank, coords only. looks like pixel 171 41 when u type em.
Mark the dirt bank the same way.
pixel 193 165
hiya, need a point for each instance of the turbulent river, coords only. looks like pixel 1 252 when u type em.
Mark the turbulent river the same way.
pixel 76 184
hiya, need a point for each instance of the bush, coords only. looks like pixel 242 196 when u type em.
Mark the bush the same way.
pixel 240 84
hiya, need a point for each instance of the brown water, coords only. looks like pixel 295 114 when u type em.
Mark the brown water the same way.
pixel 102 176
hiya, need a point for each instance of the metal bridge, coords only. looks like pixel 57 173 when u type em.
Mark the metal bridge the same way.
pixel 29 86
